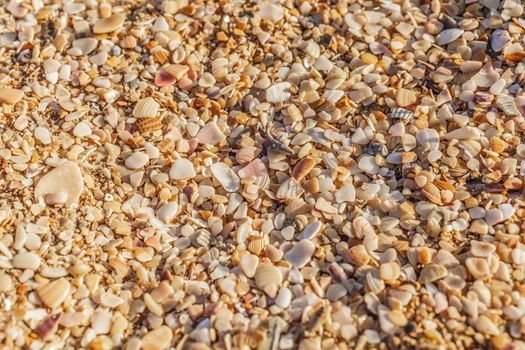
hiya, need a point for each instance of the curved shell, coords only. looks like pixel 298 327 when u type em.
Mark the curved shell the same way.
pixel 145 108
pixel 256 246
pixel 226 177
pixel 109 24
pixel 301 253
pixel 362 227
pixel 266 275
pixel 66 178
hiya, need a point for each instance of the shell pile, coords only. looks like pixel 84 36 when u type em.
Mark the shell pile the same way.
pixel 305 174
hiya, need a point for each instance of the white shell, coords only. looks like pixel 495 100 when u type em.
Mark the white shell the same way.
pixel 66 178
pixel 226 177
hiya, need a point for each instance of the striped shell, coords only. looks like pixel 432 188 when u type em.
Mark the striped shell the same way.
pixel 432 193
pixel 256 246
pixel 362 227
pixel 146 108
pixel 149 124
pixel 54 293
pixel 268 278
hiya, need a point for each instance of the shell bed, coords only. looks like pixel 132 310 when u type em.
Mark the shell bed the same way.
pixel 288 174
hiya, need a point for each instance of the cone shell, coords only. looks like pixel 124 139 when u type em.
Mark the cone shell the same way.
pixel 54 293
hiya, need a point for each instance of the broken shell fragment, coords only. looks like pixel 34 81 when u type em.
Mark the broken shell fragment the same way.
pixel 65 179
pixel 54 293
pixel 109 24
pixel 226 177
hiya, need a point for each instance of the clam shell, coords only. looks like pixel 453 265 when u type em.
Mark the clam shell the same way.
pixel 149 124
pixel 54 293
pixel 85 45
pixel 66 178
pixel 146 108
pixel 277 93
pixel 256 246
pixel 432 193
pixel 362 227
pixel 431 273
pixel 226 177
pixel 405 97
pixel 109 24
pixel 302 168
pixel 358 255
pixel 268 278
pixel 507 105
pixel 449 35
pixel 247 154
pixel 486 77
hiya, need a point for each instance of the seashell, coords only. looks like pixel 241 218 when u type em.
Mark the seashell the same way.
pixel 273 253
pixel 277 93
pixel 345 194
pixel 485 326
pixel 130 42
pixel 471 147
pixel 373 283
pixel 48 326
pixel 268 278
pixel 210 134
pixel 248 264
pixel 256 245
pixel 336 291
pixel 149 124
pixel 449 35
pixel 516 56
pixel 202 239
pixel 432 193
pixel 482 249
pixel 225 176
pixel 499 39
pixel 362 227
pixel 478 268
pixel 399 113
pixel 54 293
pixel 358 255
pixel 51 68
pixel 120 267
pixel 109 24
pixel 405 97
pixel 389 271
pixel 146 108
pixel 66 178
pixel 168 211
pixel 255 168
pixel 302 168
pixel 431 273
pixel 10 96
pixel 445 258
pixel 85 45
pixel 289 189
pixel 301 253
pixel 159 338
pixel 247 154
pixel 507 105
pixel 486 77
pixel 219 68
pixel 160 54
pixel 270 11
pixel 182 169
